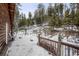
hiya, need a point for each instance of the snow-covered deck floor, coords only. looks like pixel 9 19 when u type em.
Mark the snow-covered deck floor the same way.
pixel 23 46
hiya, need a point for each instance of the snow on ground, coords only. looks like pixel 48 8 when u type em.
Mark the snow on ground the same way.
pixel 70 39
pixel 26 45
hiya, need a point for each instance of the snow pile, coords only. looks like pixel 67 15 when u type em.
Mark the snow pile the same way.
pixel 59 29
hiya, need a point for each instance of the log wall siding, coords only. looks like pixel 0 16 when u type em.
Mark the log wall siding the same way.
pixel 4 17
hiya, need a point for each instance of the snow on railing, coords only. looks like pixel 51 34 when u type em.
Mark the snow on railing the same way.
pixel 58 48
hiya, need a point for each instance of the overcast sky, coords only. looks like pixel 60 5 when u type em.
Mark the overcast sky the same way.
pixel 30 7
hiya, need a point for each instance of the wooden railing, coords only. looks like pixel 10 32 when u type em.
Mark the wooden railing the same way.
pixel 58 48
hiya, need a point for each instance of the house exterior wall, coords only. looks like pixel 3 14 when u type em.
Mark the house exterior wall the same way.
pixel 5 18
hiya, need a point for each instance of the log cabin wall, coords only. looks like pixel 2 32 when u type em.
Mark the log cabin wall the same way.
pixel 5 17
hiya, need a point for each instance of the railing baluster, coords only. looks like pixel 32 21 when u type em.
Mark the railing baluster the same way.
pixel 56 49
pixel 49 46
pixel 72 51
pixel 54 45
pixel 77 52
pixel 65 50
pixel 68 51
pixel 61 49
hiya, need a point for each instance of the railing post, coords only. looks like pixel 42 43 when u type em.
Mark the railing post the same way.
pixel 59 45
pixel 39 39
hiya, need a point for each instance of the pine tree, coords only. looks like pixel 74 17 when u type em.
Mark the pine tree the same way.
pixel 30 15
pixel 72 14
pixel 41 12
pixel 77 16
pixel 50 9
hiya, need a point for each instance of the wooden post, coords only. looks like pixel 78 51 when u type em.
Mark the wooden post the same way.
pixel 39 39
pixel 59 45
